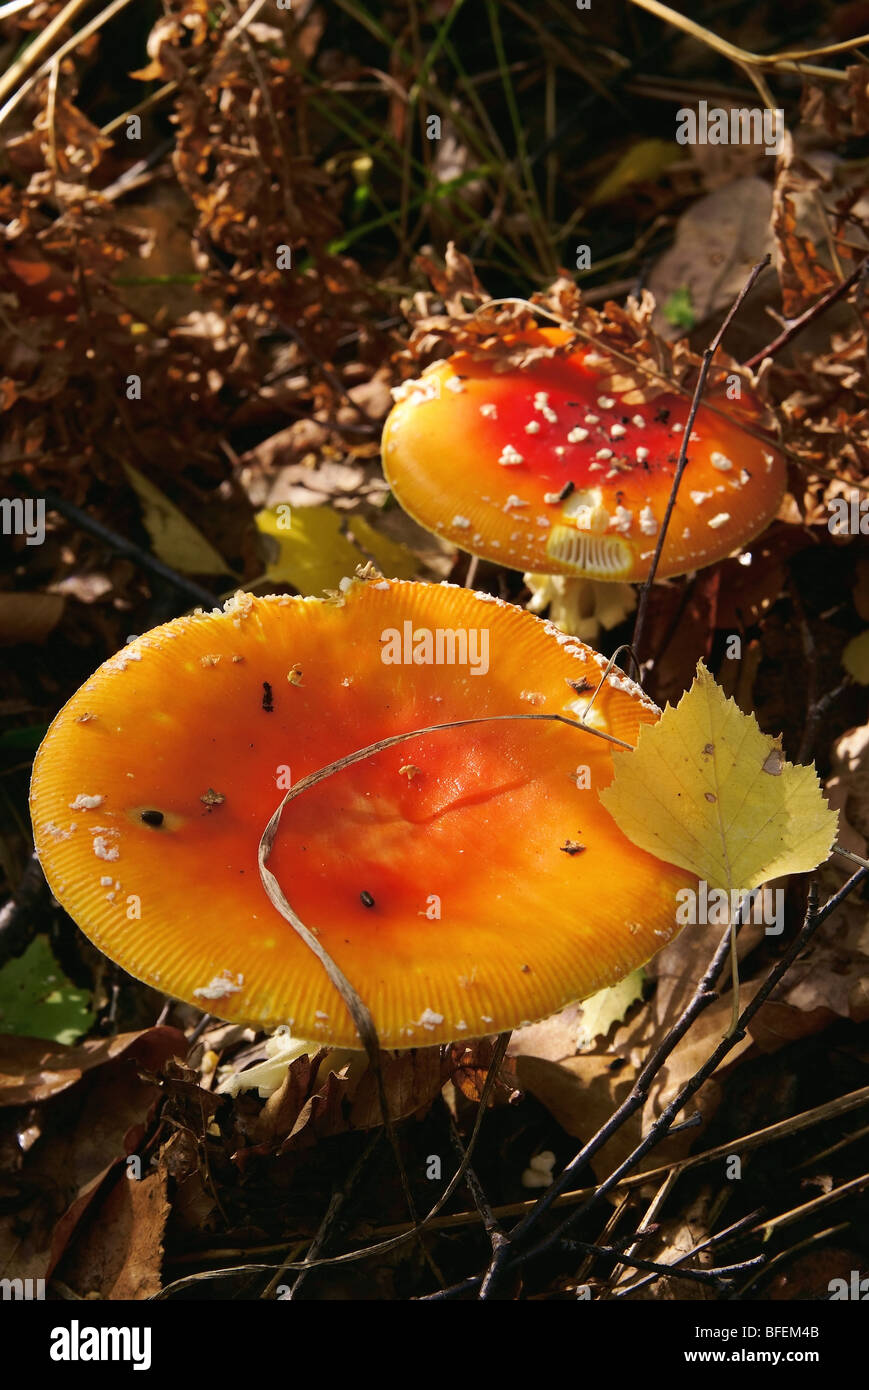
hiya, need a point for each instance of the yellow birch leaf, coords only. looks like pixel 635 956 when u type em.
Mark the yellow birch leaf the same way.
pixel 176 541
pixel 600 1011
pixel 393 559
pixel 646 160
pixel 855 658
pixel 314 554
pixel 707 790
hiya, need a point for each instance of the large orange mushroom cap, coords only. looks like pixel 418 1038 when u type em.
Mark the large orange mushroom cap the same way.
pixel 465 881
pixel 548 468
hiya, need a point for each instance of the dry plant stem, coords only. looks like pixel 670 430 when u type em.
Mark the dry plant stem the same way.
pixel 786 1218
pixel 796 326
pixel 90 28
pixel 785 62
pixel 683 449
pixel 34 51
pixel 816 1238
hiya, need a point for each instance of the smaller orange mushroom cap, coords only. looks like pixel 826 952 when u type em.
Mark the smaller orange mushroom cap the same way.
pixel 465 881
pixel 548 468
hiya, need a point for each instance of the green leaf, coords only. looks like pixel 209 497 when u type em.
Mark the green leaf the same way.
pixel 679 308
pixel 38 1001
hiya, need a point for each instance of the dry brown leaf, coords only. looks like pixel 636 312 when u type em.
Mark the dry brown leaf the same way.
pixel 28 617
pixel 803 277
pixel 117 1251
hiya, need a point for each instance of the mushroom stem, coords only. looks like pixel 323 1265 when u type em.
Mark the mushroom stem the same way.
pixel 578 605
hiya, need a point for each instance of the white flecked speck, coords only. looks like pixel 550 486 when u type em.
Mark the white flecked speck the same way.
pixel 103 850
pixel 616 431
pixel 428 1019
pixel 461 521
pixel 604 454
pixel 592 419
pixel 453 383
pixel 510 456
pixel 220 986
pixel 639 421
pixel 605 402
pixel 642 454
pixel 698 497
pixel 106 881
pixel 86 803
pixel 489 411
pixel 577 435
pixel 720 461
pixel 622 520
pixel 542 521
pixel 514 501
pixel 648 522
pixel 721 519
pixel 533 427
pixel 383 584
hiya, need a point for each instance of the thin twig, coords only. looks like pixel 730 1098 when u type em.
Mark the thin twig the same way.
pixel 327 1225
pixel 683 450
pixel 814 311
pixel 122 545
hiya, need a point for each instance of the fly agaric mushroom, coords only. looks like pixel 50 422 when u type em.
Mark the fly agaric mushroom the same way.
pixel 558 469
pixel 465 880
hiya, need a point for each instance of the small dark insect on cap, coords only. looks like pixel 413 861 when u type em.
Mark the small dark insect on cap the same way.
pixel 366 898
pixel 152 817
